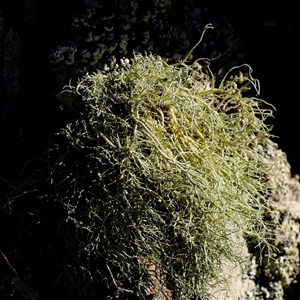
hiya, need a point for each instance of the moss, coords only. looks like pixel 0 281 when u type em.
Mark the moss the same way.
pixel 156 176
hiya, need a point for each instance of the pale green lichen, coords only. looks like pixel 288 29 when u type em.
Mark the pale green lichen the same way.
pixel 177 174
pixel 158 173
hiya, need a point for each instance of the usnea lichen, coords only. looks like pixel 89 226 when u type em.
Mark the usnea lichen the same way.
pixel 156 175
pixel 176 173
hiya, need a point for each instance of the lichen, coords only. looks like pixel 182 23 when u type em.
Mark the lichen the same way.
pixel 156 176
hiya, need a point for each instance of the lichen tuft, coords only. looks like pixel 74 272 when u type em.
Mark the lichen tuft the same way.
pixel 155 177
pixel 177 173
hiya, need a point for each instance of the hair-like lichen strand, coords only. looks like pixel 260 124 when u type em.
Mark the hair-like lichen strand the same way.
pixel 158 174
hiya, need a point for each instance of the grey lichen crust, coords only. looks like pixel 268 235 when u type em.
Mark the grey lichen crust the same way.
pixel 274 277
pixel 100 33
pixel 279 275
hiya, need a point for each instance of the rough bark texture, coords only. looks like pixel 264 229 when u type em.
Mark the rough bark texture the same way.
pixel 277 277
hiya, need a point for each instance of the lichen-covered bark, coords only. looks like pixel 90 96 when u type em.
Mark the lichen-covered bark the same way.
pixel 28 30
pixel 276 277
